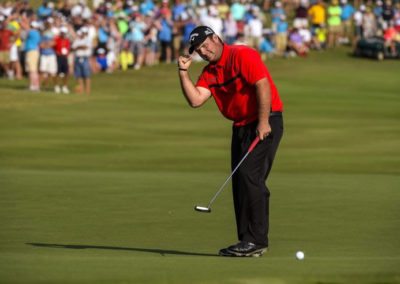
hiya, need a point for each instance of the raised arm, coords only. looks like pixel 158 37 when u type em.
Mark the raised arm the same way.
pixel 195 96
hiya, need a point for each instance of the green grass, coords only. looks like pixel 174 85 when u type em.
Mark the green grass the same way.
pixel 102 189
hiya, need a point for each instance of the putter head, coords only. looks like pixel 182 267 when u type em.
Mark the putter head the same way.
pixel 202 209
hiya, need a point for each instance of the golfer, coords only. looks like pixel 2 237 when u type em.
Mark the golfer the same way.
pixel 245 93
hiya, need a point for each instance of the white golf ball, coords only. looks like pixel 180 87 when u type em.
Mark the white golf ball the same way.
pixel 300 255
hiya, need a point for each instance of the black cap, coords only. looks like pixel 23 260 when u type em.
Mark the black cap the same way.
pixel 198 35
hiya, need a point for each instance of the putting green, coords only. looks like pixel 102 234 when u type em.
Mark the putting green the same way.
pixel 102 189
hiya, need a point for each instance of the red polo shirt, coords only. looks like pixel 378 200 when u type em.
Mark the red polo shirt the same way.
pixel 231 81
pixel 62 46
pixel 5 39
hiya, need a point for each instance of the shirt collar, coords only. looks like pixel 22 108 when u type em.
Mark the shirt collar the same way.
pixel 224 56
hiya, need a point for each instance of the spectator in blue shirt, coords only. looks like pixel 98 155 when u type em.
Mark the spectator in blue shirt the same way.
pixel 135 36
pixel 165 26
pixel 276 14
pixel 346 16
pixel 177 10
pixel 266 48
pixel 281 36
pixel 146 7
pixel 48 58
pixel 238 10
pixel 45 10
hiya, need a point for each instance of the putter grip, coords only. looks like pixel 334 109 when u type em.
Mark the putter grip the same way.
pixel 253 144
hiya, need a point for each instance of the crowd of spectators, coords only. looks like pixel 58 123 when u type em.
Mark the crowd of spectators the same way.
pixel 67 37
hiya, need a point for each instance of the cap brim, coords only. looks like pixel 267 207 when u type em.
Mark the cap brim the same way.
pixel 195 45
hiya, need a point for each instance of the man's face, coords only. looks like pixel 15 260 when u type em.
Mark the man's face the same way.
pixel 211 49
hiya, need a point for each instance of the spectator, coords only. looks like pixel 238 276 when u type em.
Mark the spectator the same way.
pixel 378 10
pixel 223 8
pixel 397 17
pixel 318 17
pixel 6 41
pixel 48 59
pixel 276 15
pixel 201 9
pixel 188 27
pixel 135 37
pixel 146 7
pixel 164 9
pixel 165 26
pixel 387 14
pixel 81 10
pixel 319 41
pixel 151 40
pixel 178 11
pixel 32 43
pixel 82 47
pixel 15 65
pixel 125 57
pixel 63 48
pixel 296 43
pixel 129 7
pixel 238 10
pixel 255 30
pixel 306 36
pixel 358 24
pixel 113 46
pixel 65 9
pixel 103 32
pixel 281 36
pixel 213 21
pixel 266 48
pixel 6 9
pixel 45 10
pixel 346 18
pixel 334 23
pixel 230 28
pixel 390 36
pixel 122 23
pixel 238 23
pixel 101 59
pixel 369 23
pixel 301 15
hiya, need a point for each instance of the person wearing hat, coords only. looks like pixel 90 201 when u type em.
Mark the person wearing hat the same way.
pixel 82 47
pixel 346 17
pixel 62 48
pixel 245 93
pixel 48 58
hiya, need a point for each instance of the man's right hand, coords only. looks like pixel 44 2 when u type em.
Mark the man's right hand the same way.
pixel 184 61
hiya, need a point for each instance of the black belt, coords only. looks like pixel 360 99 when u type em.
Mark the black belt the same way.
pixel 275 113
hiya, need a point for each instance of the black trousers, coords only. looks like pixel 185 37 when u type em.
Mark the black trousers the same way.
pixel 250 193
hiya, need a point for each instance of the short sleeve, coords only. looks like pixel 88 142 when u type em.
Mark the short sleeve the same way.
pixel 202 81
pixel 251 66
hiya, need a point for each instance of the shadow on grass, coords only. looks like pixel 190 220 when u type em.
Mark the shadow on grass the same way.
pixel 162 252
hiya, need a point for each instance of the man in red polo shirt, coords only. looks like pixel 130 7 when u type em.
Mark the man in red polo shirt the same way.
pixel 245 93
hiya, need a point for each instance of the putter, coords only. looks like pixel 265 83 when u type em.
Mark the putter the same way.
pixel 208 208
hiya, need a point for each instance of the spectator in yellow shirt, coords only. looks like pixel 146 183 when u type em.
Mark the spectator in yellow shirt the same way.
pixel 317 16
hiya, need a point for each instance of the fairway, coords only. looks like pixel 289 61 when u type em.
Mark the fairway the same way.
pixel 101 189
